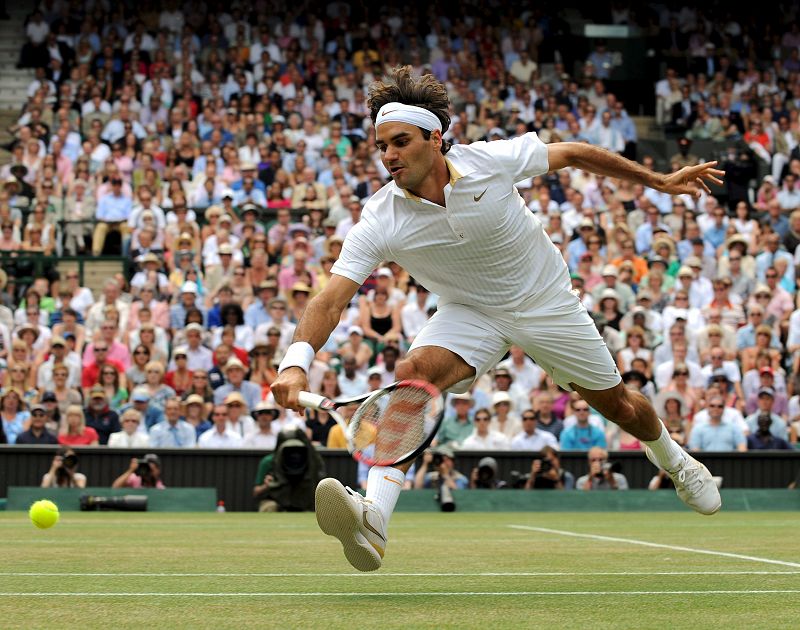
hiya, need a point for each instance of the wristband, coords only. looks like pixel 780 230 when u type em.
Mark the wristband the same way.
pixel 299 354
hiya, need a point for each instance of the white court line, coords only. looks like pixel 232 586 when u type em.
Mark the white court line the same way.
pixel 644 543
pixel 408 594
pixel 377 575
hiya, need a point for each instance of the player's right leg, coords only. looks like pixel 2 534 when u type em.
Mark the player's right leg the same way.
pixel 360 523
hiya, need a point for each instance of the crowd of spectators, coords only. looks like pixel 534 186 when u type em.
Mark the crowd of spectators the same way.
pixel 224 151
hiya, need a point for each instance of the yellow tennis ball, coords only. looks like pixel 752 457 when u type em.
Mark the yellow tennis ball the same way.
pixel 44 514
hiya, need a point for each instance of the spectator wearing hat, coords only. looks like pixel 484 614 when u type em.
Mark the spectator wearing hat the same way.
pixel 234 371
pixel 99 415
pixel 150 273
pixel 719 367
pixel 59 354
pixel 197 407
pixel 457 424
pixel 748 355
pixel 140 401
pixel 239 419
pixel 173 431
pixel 779 403
pixel 263 438
pixel 504 419
pixel 384 279
pixel 225 235
pixel 357 347
pixel 504 381
pixel 37 432
pixel 187 299
pixel 219 435
pixel 610 275
pixel 130 436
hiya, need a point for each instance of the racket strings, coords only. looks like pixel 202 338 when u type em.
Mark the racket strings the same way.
pixel 396 423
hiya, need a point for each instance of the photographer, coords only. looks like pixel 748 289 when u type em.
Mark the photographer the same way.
pixel 142 473
pixel 547 474
pixel 442 462
pixel 484 475
pixel 63 471
pixel 287 479
pixel 602 475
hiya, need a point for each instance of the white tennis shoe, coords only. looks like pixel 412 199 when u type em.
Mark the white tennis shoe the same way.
pixel 694 484
pixel 355 521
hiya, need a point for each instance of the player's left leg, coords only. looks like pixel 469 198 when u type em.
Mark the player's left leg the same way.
pixel 562 338
pixel 634 413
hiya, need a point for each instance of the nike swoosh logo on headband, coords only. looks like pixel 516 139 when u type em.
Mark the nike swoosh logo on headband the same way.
pixel 391 111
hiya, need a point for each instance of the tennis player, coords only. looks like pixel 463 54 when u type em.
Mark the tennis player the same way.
pixel 453 219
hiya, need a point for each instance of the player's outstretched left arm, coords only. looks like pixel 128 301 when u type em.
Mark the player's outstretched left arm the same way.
pixel 690 180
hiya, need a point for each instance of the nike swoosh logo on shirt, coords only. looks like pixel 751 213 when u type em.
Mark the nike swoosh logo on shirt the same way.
pixel 479 197
pixel 388 478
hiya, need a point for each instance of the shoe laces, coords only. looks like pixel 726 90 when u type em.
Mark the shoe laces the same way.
pixel 690 478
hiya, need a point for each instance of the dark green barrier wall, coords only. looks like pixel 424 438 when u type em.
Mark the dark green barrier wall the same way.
pixel 232 472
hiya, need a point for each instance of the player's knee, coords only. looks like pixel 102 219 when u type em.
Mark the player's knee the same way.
pixel 406 370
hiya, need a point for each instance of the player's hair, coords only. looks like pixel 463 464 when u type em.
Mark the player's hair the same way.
pixel 401 87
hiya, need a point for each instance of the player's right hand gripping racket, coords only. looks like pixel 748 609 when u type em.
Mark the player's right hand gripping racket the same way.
pixel 391 426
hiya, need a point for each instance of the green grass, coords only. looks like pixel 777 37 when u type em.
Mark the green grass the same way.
pixel 198 546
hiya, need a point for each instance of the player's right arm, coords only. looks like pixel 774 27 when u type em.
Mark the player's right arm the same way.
pixel 319 319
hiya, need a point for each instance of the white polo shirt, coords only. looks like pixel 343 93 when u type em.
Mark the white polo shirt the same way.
pixel 484 249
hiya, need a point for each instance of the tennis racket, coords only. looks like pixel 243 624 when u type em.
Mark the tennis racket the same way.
pixel 390 426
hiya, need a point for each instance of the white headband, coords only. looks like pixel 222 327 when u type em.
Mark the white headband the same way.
pixel 411 114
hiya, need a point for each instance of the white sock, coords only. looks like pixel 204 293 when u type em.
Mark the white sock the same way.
pixel 667 452
pixel 384 485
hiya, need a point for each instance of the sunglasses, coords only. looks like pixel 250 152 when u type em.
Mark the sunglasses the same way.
pixel 680 374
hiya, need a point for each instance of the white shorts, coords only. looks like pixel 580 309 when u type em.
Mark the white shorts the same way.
pixel 557 333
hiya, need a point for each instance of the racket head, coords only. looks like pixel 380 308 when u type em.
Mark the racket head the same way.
pixel 395 424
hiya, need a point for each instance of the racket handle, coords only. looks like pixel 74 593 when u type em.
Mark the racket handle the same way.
pixel 313 401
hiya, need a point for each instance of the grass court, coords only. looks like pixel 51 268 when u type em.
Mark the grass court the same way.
pixel 459 570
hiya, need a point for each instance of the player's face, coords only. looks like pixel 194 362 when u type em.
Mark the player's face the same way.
pixel 406 154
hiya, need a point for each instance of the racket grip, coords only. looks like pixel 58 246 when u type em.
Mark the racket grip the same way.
pixel 313 401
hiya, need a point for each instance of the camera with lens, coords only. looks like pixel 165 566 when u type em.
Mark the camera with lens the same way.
pixel 143 467
pixel 438 460
pixel 614 467
pixel 445 497
pixel 69 461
